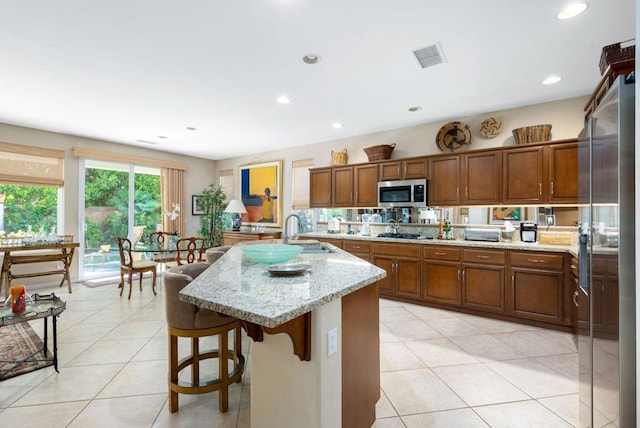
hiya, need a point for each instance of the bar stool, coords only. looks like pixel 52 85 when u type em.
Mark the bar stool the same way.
pixel 187 320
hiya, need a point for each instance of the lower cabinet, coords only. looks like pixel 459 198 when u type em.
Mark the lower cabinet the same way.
pixel 442 275
pixel 402 263
pixel 537 290
pixel 483 280
pixel 358 248
pixel 232 238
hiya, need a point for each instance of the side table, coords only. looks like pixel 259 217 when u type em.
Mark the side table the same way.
pixel 41 306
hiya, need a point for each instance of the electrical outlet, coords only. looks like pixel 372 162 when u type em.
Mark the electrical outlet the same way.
pixel 551 220
pixel 332 342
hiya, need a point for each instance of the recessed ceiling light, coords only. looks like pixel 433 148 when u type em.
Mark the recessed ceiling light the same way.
pixel 551 80
pixel 311 58
pixel 572 10
pixel 337 125
pixel 283 99
pixel 415 108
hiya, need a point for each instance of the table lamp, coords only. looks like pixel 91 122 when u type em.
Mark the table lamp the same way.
pixel 237 207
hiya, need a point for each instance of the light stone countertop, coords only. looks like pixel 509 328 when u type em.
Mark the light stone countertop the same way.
pixel 236 286
pixel 515 245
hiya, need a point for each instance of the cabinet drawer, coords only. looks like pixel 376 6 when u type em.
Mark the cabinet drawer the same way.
pixel 441 253
pixel 537 260
pixel 356 246
pixel 483 256
pixel 409 250
pixel 598 266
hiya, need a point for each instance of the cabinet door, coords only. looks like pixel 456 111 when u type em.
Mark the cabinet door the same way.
pixel 366 185
pixel 563 173
pixel 320 187
pixel 444 185
pixel 342 186
pixel 386 285
pixel 389 171
pixel 415 168
pixel 481 178
pixel 537 294
pixel 408 278
pixel 483 288
pixel 522 175
pixel 442 282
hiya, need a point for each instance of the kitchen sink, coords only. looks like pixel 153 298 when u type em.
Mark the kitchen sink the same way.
pixel 316 249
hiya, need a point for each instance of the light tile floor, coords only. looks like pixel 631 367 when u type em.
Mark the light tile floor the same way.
pixel 438 369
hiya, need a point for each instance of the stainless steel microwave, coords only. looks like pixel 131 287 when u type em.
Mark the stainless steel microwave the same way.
pixel 402 193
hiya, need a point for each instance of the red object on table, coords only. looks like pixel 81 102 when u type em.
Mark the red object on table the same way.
pixel 18 299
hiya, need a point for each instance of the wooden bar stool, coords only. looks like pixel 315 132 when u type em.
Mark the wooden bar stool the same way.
pixel 187 320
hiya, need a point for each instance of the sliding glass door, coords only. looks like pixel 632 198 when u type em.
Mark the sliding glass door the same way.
pixel 118 200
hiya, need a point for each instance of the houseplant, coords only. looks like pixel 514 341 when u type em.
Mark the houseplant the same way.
pixel 212 203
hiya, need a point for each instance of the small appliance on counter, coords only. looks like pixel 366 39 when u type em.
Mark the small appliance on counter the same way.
pixel 333 225
pixel 479 234
pixel 528 231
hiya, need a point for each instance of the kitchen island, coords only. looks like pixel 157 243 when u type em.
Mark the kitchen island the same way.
pixel 300 378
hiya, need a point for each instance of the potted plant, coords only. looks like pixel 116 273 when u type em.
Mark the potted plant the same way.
pixel 212 203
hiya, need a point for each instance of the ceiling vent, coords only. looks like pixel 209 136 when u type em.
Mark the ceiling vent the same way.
pixel 153 143
pixel 430 55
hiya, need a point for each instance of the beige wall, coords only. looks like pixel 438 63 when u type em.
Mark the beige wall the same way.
pixel 566 116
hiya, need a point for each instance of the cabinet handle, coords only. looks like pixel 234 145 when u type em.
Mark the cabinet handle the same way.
pixel 356 196
pixel 457 192
pixel 405 169
pixel 351 196
pixel 466 192
pixel 535 260
pixel 574 267
pixel 463 275
pixel 357 247
pixel 575 298
pixel 552 187
pixel 540 188
pixel 513 278
pixel 437 253
pixel 482 257
pixel 458 274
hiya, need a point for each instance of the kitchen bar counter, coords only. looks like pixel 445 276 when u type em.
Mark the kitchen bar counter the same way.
pixel 331 375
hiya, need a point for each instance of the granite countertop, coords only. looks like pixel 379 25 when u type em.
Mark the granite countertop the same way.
pixel 515 245
pixel 236 286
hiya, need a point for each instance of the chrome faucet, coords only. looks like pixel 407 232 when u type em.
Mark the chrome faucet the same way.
pixel 286 237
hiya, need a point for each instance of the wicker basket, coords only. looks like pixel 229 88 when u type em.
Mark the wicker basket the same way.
pixel 615 53
pixel 339 158
pixel 380 152
pixel 532 134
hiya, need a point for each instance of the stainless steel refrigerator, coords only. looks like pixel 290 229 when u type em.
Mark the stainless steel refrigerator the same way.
pixel 605 297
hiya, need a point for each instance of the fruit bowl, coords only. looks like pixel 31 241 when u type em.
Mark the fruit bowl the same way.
pixel 271 253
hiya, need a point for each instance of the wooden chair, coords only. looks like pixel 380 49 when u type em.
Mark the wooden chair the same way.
pixel 129 266
pixel 189 250
pixel 190 321
pixel 160 240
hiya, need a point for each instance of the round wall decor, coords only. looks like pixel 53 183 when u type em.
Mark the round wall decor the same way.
pixel 453 136
pixel 490 127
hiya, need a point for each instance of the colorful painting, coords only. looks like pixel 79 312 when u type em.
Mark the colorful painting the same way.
pixel 498 215
pixel 260 191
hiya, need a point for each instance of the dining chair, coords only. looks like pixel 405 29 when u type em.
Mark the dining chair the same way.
pixel 160 241
pixel 189 250
pixel 185 320
pixel 129 266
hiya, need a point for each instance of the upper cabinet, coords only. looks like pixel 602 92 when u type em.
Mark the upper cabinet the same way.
pixel 320 187
pixel 545 173
pixel 408 169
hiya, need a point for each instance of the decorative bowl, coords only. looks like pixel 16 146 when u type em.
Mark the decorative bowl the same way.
pixel 271 253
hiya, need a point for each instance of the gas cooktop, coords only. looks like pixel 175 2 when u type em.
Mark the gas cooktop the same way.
pixel 399 235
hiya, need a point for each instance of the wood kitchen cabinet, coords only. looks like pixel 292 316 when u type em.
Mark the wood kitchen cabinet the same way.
pixel 360 249
pixel 562 161
pixel 523 175
pixel 480 178
pixel 444 185
pixel 342 186
pixel 365 185
pixel 483 280
pixel 332 241
pixel 537 288
pixel 320 187
pixel 402 263
pixel 409 169
pixel 442 281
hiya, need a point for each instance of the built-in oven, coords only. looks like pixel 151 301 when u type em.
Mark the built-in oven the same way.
pixel 402 193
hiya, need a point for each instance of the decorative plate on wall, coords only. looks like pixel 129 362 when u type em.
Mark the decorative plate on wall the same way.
pixel 490 127
pixel 454 136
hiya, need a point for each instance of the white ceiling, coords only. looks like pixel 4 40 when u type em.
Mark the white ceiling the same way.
pixel 128 70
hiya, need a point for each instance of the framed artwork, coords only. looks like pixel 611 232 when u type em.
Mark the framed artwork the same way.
pixel 195 208
pixel 498 215
pixel 260 191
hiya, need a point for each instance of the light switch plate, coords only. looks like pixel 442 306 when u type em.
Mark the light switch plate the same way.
pixel 332 342
pixel 551 220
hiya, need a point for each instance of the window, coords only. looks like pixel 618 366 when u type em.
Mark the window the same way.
pixel 24 207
